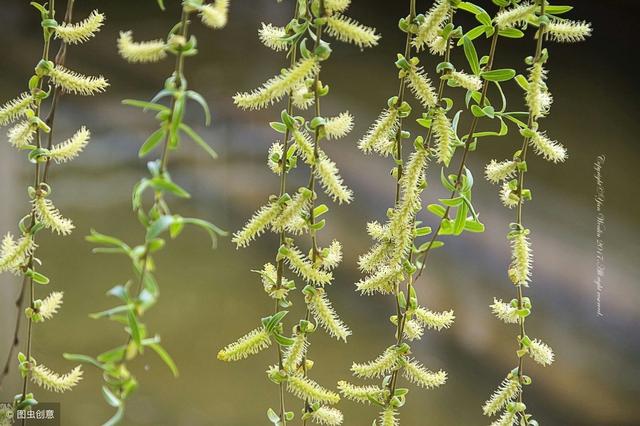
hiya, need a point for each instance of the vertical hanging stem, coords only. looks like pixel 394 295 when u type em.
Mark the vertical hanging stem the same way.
pixel 312 181
pixel 47 33
pixel 521 175
pixel 463 160
pixel 283 234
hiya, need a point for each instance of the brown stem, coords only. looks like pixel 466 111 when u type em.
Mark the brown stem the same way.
pixel 463 161
pixel 37 182
pixel 521 175
pixel 16 332
pixel 312 184
pixel 283 233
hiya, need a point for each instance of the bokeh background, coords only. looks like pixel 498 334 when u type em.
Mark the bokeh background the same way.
pixel 211 297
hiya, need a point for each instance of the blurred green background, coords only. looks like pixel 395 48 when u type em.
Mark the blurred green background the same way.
pixel 211 297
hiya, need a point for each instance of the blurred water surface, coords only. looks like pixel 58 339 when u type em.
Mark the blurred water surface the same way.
pixel 211 297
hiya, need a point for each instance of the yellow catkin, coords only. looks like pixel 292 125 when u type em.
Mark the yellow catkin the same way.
pixel 326 316
pixel 506 392
pixel 15 108
pixel 249 344
pixel 78 84
pixel 273 37
pixel 279 86
pixel 81 31
pixel 215 15
pixel 47 379
pixel 350 31
pixel 140 52
pixel 306 389
pixel 70 148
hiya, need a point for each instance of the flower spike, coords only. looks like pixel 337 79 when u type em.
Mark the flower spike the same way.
pixel 215 15
pixel 142 52
pixel 82 31
pixel 76 83
pixel 70 148
pixel 348 30
pixel 279 86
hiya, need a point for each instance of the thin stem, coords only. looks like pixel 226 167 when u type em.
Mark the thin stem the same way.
pixel 521 175
pixel 399 172
pixel 283 234
pixel 465 154
pixel 312 180
pixel 179 83
pixel 47 33
pixel 60 59
pixel 16 332
pixel 158 200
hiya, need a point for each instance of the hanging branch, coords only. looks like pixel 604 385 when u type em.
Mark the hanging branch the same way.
pixel 50 80
pixel 142 291
pixel 508 398
pixel 295 213
pixel 398 257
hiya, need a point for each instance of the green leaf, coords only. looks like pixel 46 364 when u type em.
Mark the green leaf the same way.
pixel 83 358
pixel 198 139
pixel 145 105
pixel 452 202
pixel 511 33
pixel 112 355
pixel 177 115
pixel 283 340
pixel 430 245
pixel 557 10
pixel 135 329
pixel 471 54
pixel 320 210
pixel 473 226
pixel 445 182
pixel 111 399
pixel 460 220
pixel 164 356
pixel 473 34
pixel 278 127
pixel 436 209
pixel 423 231
pixel 498 75
pixel 151 142
pixel 163 184
pixel 161 94
pixel 522 81
pixel 195 96
pixel 484 18
pixel 477 111
pixel 489 111
pixel 470 7
pixel 110 312
pixel 273 417
pixel 43 10
pixel 37 277
pixel 138 190
pixel 504 129
pixel 117 417
pixel 211 229
pixel 159 226
pixel 274 320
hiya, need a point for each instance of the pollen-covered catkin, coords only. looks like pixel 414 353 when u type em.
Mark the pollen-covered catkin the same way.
pixel 32 116
pixel 295 213
pixel 142 52
pixel 510 174
pixel 150 198
pixel 279 86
